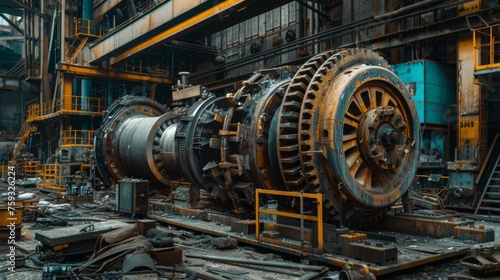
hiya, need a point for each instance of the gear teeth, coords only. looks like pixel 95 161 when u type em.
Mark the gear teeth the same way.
pixel 333 65
pixel 289 118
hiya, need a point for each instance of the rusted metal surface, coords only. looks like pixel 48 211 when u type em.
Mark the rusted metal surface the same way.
pixel 357 246
pixel 410 254
pixel 167 256
pixel 144 225
pixel 480 234
pixel 433 224
pixel 471 127
pixel 355 271
pixel 483 260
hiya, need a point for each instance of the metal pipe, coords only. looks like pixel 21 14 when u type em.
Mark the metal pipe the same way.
pixel 87 14
pixel 132 11
pixel 256 262
pixel 406 9
pixel 299 21
pixel 62 34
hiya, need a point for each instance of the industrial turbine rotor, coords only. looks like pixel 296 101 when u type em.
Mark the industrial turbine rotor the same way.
pixel 343 125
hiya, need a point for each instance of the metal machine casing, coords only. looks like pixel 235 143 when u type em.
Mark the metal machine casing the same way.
pixel 133 196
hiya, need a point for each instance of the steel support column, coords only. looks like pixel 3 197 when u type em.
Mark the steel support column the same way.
pixel 471 128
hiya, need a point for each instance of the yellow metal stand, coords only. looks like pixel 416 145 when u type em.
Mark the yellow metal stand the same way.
pixel 318 218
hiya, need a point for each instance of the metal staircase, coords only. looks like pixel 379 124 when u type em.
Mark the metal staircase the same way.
pixel 490 199
pixel 23 134
pixel 76 47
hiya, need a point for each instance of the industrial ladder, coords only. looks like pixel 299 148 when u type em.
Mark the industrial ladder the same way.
pixel 76 47
pixel 491 192
pixel 21 137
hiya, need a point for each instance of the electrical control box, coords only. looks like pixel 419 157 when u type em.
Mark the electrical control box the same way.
pixel 133 196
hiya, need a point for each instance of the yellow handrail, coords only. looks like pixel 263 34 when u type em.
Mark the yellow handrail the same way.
pixel 4 170
pixel 486 43
pixel 78 104
pixel 55 177
pixel 51 177
pixel 88 28
pixel 77 138
pixel 318 218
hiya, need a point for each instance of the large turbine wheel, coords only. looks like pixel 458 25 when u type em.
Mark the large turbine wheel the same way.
pixel 371 136
pixel 347 128
pixel 360 131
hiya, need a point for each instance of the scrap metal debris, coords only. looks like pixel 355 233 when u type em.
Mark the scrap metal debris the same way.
pixel 483 259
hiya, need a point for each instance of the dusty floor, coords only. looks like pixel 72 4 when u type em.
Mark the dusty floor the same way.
pixel 192 244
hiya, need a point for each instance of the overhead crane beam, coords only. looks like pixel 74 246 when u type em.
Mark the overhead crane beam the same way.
pixel 17 85
pixel 109 74
pixel 142 34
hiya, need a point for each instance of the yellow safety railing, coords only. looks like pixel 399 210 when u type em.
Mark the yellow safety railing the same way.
pixel 55 177
pixel 85 167
pixel 81 104
pixel 4 170
pixel 37 111
pixel 77 104
pixel 51 178
pixel 318 218
pixel 88 28
pixel 77 138
pixel 30 168
pixel 486 43
pixel 145 68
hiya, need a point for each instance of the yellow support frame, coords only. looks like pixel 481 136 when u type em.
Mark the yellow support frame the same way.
pixel 69 71
pixel 318 218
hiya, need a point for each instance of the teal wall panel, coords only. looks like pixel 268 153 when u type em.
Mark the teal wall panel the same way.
pixel 433 86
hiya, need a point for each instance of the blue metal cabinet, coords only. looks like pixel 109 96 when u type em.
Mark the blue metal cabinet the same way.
pixel 433 86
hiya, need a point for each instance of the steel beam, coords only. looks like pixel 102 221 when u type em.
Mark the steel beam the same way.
pixel 15 26
pixel 103 7
pixel 108 74
pixel 167 23
pixel 18 85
